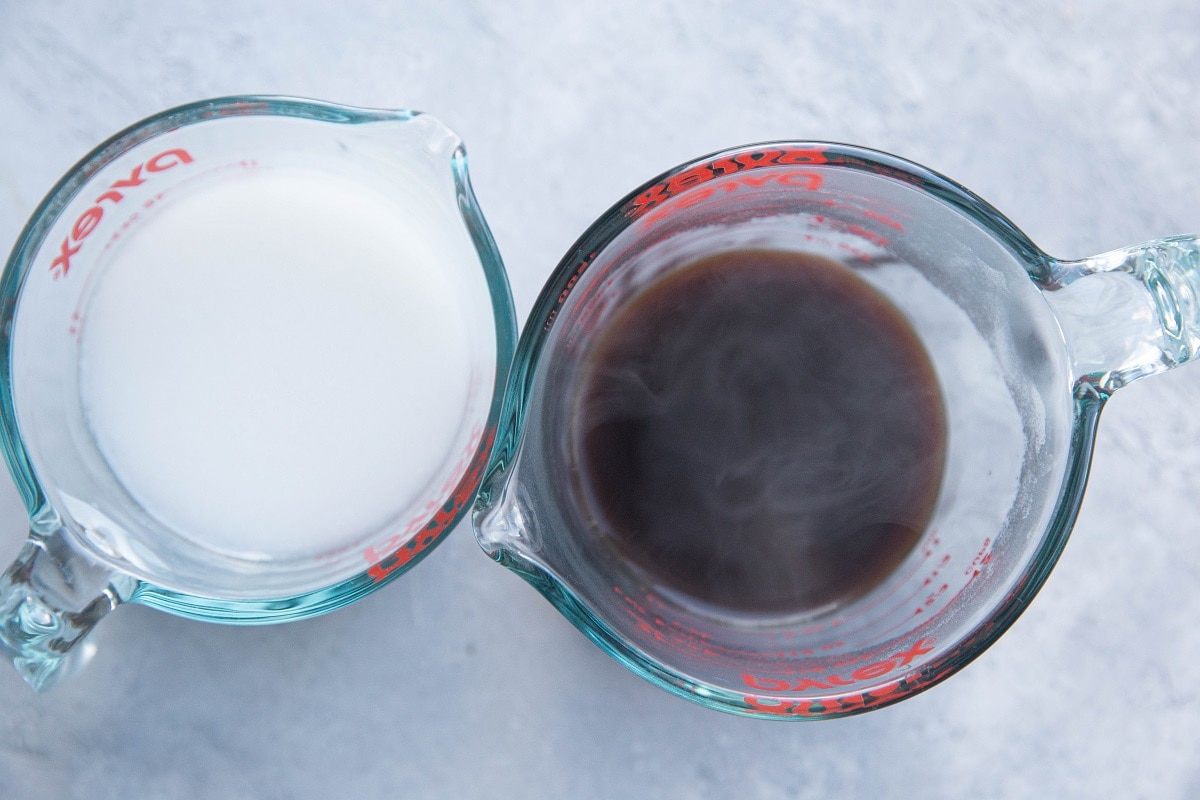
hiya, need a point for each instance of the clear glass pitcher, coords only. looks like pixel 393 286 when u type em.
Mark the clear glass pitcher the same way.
pixel 1026 349
pixel 196 285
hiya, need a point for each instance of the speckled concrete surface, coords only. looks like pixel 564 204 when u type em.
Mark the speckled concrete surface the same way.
pixel 1080 120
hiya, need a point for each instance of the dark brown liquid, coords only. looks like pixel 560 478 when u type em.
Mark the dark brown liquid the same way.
pixel 762 430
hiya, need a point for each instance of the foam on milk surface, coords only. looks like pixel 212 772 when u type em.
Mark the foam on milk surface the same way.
pixel 274 364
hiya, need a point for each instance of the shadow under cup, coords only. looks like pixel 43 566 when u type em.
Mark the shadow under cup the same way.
pixel 1016 448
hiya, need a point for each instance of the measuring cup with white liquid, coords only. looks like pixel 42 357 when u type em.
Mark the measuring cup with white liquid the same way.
pixel 251 359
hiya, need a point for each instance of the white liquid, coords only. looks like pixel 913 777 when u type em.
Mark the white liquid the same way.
pixel 275 364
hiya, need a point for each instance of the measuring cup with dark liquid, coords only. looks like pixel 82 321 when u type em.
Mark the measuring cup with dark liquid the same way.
pixel 798 430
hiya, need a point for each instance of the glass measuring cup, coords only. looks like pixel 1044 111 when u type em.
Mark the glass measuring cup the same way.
pixel 1026 348
pixel 95 542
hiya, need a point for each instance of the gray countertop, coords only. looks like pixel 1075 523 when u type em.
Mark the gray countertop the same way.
pixel 1079 120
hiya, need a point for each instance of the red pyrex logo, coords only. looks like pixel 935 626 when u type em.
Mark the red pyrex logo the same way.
pixel 90 219
pixel 445 514
pixel 677 184
pixel 831 682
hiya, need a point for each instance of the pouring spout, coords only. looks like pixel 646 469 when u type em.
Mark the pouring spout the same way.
pixel 437 139
pixel 503 521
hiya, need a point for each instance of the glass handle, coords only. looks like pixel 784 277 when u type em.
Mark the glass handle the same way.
pixel 50 598
pixel 1129 313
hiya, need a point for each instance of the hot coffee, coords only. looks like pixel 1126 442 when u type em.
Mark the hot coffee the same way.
pixel 762 431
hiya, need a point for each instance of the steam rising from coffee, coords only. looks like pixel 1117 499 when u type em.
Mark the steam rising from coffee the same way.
pixel 762 431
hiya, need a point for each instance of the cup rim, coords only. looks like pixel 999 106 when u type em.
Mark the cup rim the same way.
pixel 33 236
pixel 758 703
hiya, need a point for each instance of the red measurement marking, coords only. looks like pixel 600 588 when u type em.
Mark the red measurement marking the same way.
pixel 983 557
pixel 933 598
pixel 927 550
pixel 928 621
pixel 566 290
